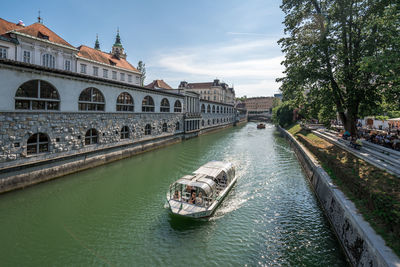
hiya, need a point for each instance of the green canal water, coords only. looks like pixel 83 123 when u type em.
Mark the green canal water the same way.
pixel 114 215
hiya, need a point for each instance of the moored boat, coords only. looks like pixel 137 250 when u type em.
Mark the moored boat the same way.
pixel 199 194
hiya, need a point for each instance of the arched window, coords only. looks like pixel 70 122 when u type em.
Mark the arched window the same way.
pixel 208 109
pixel 164 105
pixel 37 95
pixel 91 137
pixel 177 126
pixel 217 109
pixel 208 122
pixel 125 132
pixel 213 121
pixel 164 128
pixel 48 61
pixel 203 108
pixel 213 109
pixel 202 123
pixel 224 109
pixel 91 99
pixel 125 102
pixel 37 143
pixel 178 106
pixel 148 104
pixel 147 129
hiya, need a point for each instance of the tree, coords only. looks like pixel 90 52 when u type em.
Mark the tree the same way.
pixel 328 47
pixel 282 114
pixel 142 68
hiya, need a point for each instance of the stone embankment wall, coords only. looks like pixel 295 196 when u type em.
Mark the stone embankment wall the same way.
pixel 66 131
pixel 67 151
pixel 29 174
pixel 361 244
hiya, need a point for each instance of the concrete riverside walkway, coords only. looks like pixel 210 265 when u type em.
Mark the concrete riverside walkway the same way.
pixel 380 157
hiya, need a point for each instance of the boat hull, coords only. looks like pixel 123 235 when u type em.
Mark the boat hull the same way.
pixel 192 211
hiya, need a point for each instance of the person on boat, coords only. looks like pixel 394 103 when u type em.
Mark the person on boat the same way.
pixel 177 195
pixel 199 199
pixel 192 199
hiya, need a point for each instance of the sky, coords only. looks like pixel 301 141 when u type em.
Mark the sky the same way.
pixel 178 40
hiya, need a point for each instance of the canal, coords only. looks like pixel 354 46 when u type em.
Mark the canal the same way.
pixel 114 215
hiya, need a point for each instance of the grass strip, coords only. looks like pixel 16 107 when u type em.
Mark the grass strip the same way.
pixel 375 192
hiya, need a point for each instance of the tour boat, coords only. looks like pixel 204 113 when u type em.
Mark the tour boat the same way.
pixel 199 194
pixel 261 126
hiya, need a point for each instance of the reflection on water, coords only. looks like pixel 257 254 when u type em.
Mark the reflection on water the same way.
pixel 115 215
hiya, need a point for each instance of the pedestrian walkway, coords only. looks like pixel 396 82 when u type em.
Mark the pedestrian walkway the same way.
pixel 380 157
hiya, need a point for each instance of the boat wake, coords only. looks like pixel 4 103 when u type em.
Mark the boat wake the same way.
pixel 237 197
pixel 234 202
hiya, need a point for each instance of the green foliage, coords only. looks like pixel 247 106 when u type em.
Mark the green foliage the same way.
pixel 341 56
pixel 381 118
pixel 243 98
pixel 276 102
pixel 283 114
pixel 394 114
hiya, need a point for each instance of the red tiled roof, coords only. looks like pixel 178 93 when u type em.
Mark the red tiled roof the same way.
pixel 106 58
pixel 156 84
pixel 40 31
pixel 6 26
pixel 199 85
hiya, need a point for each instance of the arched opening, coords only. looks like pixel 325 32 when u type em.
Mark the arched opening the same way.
pixel 213 109
pixel 202 123
pixel 125 132
pixel 37 143
pixel 125 102
pixel 217 109
pixel 177 126
pixel 208 109
pixel 164 128
pixel 203 108
pixel 91 137
pixel 178 106
pixel 91 99
pixel 37 95
pixel 164 105
pixel 147 129
pixel 148 104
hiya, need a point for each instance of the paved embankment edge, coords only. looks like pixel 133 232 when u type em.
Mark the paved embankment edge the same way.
pixel 360 242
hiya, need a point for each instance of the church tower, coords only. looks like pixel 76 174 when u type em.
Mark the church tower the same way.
pixel 117 49
pixel 97 43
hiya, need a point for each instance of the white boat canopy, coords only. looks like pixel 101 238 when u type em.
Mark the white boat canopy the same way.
pixel 200 181
pixel 214 168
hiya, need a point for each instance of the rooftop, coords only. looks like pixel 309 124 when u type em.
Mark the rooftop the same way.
pixel 103 57
pixel 158 84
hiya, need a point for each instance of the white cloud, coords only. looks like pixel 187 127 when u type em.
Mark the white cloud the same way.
pixel 244 63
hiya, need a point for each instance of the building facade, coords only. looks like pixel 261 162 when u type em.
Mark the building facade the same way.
pixel 259 105
pixel 51 111
pixel 213 91
pixel 36 44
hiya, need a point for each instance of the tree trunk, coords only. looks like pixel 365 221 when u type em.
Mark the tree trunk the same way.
pixel 349 122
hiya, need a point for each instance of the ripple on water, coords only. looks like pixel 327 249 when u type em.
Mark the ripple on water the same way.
pixel 114 215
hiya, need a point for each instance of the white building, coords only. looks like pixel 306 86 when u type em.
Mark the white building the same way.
pixel 214 91
pixel 36 44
